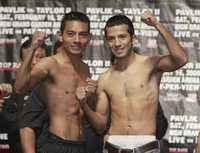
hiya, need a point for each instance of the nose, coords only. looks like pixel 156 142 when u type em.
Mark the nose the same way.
pixel 77 38
pixel 117 42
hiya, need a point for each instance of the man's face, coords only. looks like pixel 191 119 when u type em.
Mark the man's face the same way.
pixel 119 40
pixel 75 36
pixel 39 54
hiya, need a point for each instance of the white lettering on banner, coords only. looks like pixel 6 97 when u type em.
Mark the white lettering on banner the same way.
pixel 183 128
pixel 181 26
pixel 94 62
pixel 21 24
pixel 176 132
pixel 190 133
pixel 192 126
pixel 195 19
pixel 185 34
pixel 177 140
pixel 99 10
pixel 49 10
pixel 171 79
pixel 6 31
pixel 191 80
pixel 44 24
pixel 32 17
pixel 5 24
pixel 3 136
pixel 5 16
pixel 182 118
pixel 182 19
pixel 188 12
pixel 12 9
pixel 187 78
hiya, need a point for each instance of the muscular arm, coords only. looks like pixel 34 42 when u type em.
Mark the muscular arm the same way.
pixel 177 57
pixel 99 117
pixel 27 78
pixel 28 140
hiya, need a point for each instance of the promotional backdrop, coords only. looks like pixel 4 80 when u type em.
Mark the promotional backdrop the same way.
pixel 180 94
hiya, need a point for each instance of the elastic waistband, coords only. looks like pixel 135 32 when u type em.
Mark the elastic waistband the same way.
pixel 54 138
pixel 144 148
pixel 130 141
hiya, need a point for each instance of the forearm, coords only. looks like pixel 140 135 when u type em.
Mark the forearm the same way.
pixel 176 51
pixel 28 139
pixel 98 121
pixel 23 75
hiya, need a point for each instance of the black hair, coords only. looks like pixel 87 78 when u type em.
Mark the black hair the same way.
pixel 118 20
pixel 27 44
pixel 74 16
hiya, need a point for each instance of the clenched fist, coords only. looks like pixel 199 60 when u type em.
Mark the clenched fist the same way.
pixel 91 86
pixel 37 39
pixel 81 93
pixel 149 18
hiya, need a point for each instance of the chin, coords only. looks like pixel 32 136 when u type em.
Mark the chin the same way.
pixel 76 53
pixel 120 55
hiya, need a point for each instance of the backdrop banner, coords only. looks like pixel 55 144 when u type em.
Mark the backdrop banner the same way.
pixel 180 94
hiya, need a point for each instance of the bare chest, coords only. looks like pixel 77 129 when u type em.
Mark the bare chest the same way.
pixel 129 83
pixel 67 79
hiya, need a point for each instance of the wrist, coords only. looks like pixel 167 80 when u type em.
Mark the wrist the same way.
pixel 82 102
pixel 158 25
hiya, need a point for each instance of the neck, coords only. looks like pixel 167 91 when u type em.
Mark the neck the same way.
pixel 75 59
pixel 124 62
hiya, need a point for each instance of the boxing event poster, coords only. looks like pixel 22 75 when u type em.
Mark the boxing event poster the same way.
pixel 179 90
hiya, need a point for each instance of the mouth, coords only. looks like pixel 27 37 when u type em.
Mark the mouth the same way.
pixel 76 47
pixel 121 50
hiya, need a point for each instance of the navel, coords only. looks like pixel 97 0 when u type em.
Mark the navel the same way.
pixel 141 86
pixel 68 92
pixel 129 126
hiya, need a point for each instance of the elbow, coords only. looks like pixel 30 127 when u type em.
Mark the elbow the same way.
pixel 19 89
pixel 101 128
pixel 184 60
pixel 180 60
pixel 101 131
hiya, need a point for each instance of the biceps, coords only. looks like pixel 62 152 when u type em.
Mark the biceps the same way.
pixel 37 76
pixel 102 106
pixel 167 64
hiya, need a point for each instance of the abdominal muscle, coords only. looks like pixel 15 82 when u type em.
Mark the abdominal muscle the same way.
pixel 66 119
pixel 130 117
pixel 121 127
pixel 68 127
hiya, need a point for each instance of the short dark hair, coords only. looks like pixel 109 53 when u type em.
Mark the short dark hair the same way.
pixel 118 20
pixel 74 16
pixel 27 44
